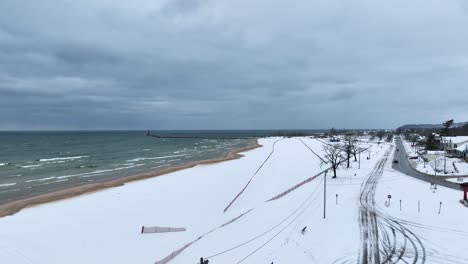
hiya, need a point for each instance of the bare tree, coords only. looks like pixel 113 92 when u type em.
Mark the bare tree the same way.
pixel 354 146
pixel 414 139
pixel 380 134
pixel 349 146
pixel 390 137
pixel 334 156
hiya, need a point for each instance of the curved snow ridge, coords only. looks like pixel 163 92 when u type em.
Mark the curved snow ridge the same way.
pixel 251 178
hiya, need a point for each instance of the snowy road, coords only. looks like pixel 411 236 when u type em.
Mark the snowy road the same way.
pixel 404 167
pixel 384 239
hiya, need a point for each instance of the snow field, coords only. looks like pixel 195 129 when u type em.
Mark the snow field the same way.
pixel 104 227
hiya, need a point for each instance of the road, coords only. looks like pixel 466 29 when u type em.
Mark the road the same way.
pixel 383 238
pixel 404 167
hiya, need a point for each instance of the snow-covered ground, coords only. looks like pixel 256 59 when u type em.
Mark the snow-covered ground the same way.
pixel 454 166
pixel 435 164
pixel 443 235
pixel 104 227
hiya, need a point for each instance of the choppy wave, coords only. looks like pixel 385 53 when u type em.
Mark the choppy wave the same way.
pixel 41 179
pixel 62 158
pixel 86 166
pixel 31 166
pixel 12 190
pixel 13 175
pixel 83 175
pixel 52 182
pixel 160 166
pixel 7 184
pixel 154 158
pixel 120 168
pixel 94 158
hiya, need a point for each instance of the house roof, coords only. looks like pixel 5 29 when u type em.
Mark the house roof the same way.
pixel 456 140
pixel 462 147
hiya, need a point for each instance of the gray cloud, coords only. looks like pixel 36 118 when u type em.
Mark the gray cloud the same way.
pixel 231 64
pixel 342 95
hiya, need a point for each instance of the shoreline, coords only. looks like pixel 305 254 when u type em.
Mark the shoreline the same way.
pixel 13 207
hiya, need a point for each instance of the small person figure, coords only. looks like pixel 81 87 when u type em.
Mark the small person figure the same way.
pixel 303 230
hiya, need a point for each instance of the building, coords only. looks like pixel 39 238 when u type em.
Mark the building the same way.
pixel 457 146
pixel 462 151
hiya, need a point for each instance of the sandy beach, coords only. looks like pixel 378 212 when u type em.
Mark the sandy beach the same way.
pixel 13 207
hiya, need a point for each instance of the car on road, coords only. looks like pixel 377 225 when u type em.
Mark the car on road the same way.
pixel 397 149
pixel 395 161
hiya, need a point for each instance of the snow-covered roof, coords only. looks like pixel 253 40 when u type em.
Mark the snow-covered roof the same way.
pixel 435 152
pixel 456 140
pixel 463 147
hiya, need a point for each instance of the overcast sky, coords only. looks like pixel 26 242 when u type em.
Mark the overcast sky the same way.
pixel 232 64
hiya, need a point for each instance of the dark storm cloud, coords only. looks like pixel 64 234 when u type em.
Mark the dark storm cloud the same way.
pixel 97 64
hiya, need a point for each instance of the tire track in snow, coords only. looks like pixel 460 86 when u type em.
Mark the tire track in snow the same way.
pixel 377 245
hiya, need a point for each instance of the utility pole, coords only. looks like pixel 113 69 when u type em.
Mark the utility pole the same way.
pixel 445 156
pixel 325 195
pixel 445 160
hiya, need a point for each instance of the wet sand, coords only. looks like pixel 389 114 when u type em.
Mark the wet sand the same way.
pixel 13 207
